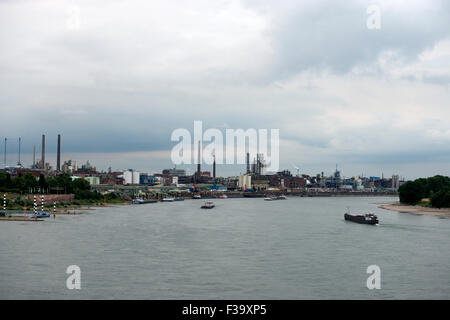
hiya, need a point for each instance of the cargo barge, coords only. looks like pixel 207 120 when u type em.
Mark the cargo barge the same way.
pixel 369 218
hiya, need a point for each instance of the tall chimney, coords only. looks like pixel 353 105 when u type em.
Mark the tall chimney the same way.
pixel 58 158
pixel 43 152
pixel 214 166
pixel 34 155
pixel 248 162
pixel 20 140
pixel 4 159
pixel 199 161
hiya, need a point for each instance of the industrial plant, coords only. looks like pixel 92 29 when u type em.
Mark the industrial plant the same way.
pixel 255 179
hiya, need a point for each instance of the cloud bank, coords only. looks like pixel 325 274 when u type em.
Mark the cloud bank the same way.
pixel 117 77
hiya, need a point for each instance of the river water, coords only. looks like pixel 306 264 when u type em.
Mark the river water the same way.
pixel 300 248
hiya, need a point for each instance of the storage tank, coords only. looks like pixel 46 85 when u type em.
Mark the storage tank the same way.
pixel 127 177
pixel 136 177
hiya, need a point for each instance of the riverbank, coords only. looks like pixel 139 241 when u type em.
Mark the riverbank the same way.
pixel 19 219
pixel 419 210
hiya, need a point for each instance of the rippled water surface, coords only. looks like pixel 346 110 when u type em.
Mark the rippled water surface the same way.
pixel 300 248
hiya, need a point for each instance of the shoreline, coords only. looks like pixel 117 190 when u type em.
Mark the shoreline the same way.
pixel 417 210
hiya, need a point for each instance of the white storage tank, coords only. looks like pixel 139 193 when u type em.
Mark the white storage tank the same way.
pixel 136 176
pixel 127 177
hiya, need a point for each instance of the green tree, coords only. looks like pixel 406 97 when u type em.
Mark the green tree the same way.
pixel 435 188
pixel 81 184
pixel 441 199
pixel 30 182
pixel 42 183
pixel 411 192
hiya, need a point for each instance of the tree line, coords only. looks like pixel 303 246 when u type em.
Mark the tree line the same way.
pixel 436 189
pixel 61 184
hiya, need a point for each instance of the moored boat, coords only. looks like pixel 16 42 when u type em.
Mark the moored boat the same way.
pixel 253 195
pixel 40 214
pixel 197 196
pixel 168 200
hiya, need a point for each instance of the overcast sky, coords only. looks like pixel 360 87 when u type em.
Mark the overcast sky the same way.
pixel 115 78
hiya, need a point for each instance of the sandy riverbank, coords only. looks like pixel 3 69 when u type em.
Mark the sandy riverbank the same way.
pixel 397 206
pixel 19 219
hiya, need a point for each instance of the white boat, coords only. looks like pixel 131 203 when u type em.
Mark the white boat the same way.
pixel 223 196
pixel 208 205
pixel 168 200
pixel 275 198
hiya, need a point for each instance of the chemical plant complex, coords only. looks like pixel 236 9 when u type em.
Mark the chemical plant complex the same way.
pixel 255 180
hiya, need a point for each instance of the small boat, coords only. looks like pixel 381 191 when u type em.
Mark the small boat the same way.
pixel 178 199
pixel 223 196
pixel 41 214
pixel 143 201
pixel 168 200
pixel 275 198
pixel 197 196
pixel 208 205
pixel 369 218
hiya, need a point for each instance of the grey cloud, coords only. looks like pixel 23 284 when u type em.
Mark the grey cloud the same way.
pixel 333 35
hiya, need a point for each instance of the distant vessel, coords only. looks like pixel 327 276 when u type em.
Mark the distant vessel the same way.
pixel 197 196
pixel 142 201
pixel 168 200
pixel 223 196
pixel 369 218
pixel 275 198
pixel 253 195
pixel 208 205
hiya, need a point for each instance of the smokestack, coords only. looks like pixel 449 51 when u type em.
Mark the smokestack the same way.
pixel 199 161
pixel 34 156
pixel 20 140
pixel 4 156
pixel 248 162
pixel 43 152
pixel 58 157
pixel 214 166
